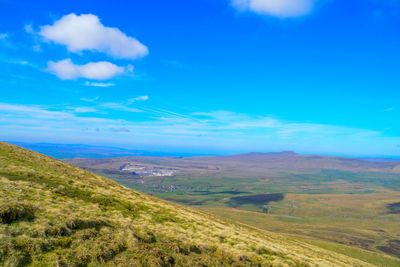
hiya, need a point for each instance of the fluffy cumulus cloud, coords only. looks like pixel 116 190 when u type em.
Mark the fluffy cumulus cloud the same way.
pixel 86 32
pixel 278 8
pixel 67 70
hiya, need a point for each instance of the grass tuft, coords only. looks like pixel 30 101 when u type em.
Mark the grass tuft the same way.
pixel 16 211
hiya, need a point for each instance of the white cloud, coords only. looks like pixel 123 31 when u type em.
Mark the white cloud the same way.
pixel 5 40
pixel 33 111
pixel 35 118
pixel 277 8
pixel 125 105
pixel 99 84
pixel 119 130
pixel 102 70
pixel 86 32
pixel 17 62
pixel 119 106
pixel 94 99
pixel 139 98
pixel 83 109
pixel 29 29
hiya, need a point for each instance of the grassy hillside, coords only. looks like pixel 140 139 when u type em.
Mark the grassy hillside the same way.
pixel 54 214
pixel 357 235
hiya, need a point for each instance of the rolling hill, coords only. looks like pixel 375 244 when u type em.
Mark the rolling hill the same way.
pixel 278 161
pixel 54 214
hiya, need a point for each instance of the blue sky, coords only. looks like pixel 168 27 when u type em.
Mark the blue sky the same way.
pixel 206 76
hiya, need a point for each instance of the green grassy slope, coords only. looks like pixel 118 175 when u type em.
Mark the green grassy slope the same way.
pixel 54 214
pixel 355 238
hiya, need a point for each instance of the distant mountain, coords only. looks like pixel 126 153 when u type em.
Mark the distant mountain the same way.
pixel 65 151
pixel 268 154
pixel 288 160
pixel 381 159
pixel 54 214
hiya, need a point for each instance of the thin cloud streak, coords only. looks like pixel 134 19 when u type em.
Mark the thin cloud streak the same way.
pixel 276 8
pixel 94 84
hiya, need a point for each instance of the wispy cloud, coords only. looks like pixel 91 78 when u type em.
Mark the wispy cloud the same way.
pixel 33 115
pixel 29 29
pixel 83 109
pixel 226 120
pixel 119 130
pixel 33 111
pixel 94 99
pixel 139 98
pixel 119 106
pixel 5 40
pixel 277 8
pixel 222 129
pixel 21 62
pixel 94 84
pixel 125 105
